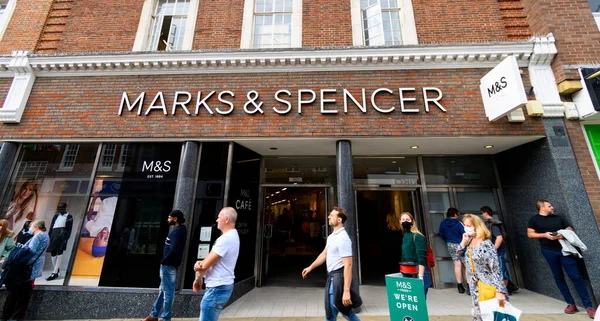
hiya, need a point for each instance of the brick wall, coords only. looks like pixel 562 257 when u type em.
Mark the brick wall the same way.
pixel 586 165
pixel 326 23
pixel 81 107
pixel 573 26
pixel 458 21
pixel 25 25
pixel 219 24
pixel 4 87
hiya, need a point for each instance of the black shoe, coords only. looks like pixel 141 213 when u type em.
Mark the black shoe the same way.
pixel 461 288
pixel 468 291
pixel 52 277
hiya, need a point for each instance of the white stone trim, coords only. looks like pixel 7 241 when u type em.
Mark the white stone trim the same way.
pixel 142 36
pixel 597 18
pixel 408 28
pixel 542 76
pixel 10 8
pixel 248 24
pixel 400 58
pixel 19 91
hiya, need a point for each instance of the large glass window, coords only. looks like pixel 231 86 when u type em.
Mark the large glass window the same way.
pixel 273 24
pixel 471 170
pixel 168 25
pixel 39 184
pixel 6 9
pixel 379 171
pixel 381 22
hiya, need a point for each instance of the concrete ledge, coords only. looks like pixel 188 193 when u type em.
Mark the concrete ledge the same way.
pixel 64 303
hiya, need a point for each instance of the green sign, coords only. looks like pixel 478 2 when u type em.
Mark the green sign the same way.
pixel 406 298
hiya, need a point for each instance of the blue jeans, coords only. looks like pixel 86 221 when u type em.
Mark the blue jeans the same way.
pixel 166 293
pixel 213 302
pixel 334 311
pixel 558 262
pixel 427 280
pixel 503 267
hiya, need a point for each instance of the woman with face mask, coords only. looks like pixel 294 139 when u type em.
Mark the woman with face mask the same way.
pixel 481 261
pixel 6 241
pixel 414 247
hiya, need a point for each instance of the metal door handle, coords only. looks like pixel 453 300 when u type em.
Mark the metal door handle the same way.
pixel 268 231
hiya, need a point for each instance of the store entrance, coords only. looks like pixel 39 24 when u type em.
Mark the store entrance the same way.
pixel 380 246
pixel 295 233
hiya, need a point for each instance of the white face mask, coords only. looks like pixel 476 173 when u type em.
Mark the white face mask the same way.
pixel 470 230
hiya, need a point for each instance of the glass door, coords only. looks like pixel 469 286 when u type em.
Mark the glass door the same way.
pixel 294 234
pixel 438 201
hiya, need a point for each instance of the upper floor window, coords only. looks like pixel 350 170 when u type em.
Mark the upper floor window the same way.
pixel 123 157
pixel 383 23
pixel 6 9
pixel 166 25
pixel 272 24
pixel 107 157
pixel 69 157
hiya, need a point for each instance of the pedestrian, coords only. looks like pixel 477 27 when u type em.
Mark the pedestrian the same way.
pixel 451 231
pixel 414 248
pixel 339 295
pixel 545 227
pixel 19 291
pixel 24 236
pixel 218 267
pixel 59 233
pixel 172 256
pixel 6 241
pixel 393 243
pixel 482 263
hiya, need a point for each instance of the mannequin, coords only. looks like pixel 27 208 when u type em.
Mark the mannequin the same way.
pixel 60 231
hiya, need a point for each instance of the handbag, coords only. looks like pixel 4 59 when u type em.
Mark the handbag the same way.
pixel 491 310
pixel 486 291
pixel 430 258
pixel 15 274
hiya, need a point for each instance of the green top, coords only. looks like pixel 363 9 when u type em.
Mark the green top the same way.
pixel 414 251
pixel 6 246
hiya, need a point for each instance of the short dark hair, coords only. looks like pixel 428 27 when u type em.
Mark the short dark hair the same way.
pixel 486 209
pixel 451 212
pixel 178 215
pixel 341 213
pixel 540 203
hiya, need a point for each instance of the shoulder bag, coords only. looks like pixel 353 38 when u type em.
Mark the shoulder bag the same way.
pixel 486 291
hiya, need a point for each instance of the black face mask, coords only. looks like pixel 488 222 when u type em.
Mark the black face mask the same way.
pixel 172 222
pixel 406 225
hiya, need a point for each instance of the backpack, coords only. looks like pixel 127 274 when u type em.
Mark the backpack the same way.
pixel 430 258
pixel 494 222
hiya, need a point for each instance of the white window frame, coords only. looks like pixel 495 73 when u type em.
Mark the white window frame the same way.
pixel 144 32
pixel 110 153
pixel 597 18
pixel 63 167
pixel 248 24
pixel 407 27
pixel 123 157
pixel 5 18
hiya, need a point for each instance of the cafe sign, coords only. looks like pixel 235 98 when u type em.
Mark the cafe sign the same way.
pixel 286 101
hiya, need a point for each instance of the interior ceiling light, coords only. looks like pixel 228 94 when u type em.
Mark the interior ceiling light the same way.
pixel 488 146
pixel 273 148
pixel 283 189
pixel 277 192
pixel 393 162
pixel 414 147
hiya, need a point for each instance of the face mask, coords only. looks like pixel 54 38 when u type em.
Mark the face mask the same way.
pixel 470 230
pixel 406 225
pixel 30 231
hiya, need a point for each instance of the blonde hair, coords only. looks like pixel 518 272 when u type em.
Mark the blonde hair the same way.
pixel 414 227
pixel 482 231
pixel 5 231
pixel 393 222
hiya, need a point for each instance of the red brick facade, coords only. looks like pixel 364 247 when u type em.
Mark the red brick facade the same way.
pixel 4 87
pixel 326 24
pixel 84 107
pixel 25 26
pixel 573 26
pixel 219 25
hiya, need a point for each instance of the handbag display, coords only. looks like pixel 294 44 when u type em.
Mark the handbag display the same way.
pixel 486 291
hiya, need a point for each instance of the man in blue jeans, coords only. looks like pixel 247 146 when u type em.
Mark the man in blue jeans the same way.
pixel 172 255
pixel 338 257
pixel 218 267
pixel 496 228
pixel 544 227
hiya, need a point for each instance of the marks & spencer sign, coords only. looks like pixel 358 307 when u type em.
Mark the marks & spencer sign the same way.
pixel 286 102
pixel 502 89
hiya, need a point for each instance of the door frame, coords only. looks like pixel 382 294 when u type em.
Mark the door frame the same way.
pixel 260 264
pixel 403 188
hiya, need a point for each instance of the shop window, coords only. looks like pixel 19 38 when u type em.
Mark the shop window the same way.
pixel 593 140
pixel 300 170
pixel 471 170
pixel 387 171
pixel 123 157
pixel 107 157
pixel 6 10
pixel 68 158
pixel 272 24
pixel 38 186
pixel 166 25
pixel 383 23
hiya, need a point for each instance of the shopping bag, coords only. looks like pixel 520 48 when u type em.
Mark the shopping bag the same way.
pixel 492 311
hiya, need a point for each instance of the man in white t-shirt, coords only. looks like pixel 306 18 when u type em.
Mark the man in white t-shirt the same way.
pixel 338 254
pixel 218 267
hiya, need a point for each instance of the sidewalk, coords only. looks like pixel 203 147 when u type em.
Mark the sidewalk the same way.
pixel 532 317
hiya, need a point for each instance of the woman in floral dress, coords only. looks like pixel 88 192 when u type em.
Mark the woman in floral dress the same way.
pixel 478 247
